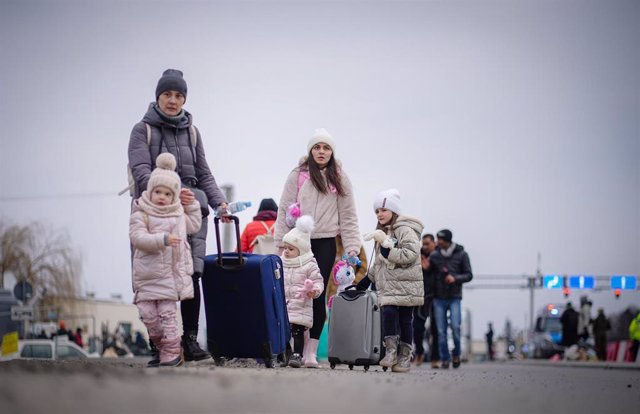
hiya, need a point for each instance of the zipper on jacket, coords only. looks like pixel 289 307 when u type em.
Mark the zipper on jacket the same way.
pixel 175 281
pixel 315 210
pixel 179 156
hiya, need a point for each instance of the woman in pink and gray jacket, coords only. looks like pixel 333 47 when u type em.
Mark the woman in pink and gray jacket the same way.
pixel 319 187
pixel 162 263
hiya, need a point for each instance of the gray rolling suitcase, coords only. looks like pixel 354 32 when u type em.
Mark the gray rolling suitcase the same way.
pixel 354 329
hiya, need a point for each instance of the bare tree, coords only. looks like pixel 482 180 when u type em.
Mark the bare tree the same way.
pixel 12 241
pixel 41 256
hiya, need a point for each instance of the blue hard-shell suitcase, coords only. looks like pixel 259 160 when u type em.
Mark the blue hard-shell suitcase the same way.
pixel 245 305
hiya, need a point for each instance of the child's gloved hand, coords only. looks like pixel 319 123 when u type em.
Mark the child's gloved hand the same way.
pixel 379 236
pixel 387 243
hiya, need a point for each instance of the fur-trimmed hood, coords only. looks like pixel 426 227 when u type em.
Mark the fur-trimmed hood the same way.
pixel 412 222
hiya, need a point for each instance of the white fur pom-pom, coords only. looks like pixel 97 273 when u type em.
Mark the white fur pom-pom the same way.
pixel 305 224
pixel 166 161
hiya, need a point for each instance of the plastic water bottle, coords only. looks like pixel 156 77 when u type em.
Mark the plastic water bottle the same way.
pixel 352 260
pixel 234 208
pixel 237 206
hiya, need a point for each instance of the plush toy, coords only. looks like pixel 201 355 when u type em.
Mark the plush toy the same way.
pixel 308 287
pixel 343 276
pixel 292 214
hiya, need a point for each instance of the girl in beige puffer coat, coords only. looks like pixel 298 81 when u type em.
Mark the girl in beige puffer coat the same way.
pixel 397 273
pixel 302 283
pixel 162 263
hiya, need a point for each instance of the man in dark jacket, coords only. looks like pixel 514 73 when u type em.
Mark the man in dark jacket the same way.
pixel 421 313
pixel 569 320
pixel 450 266
pixel 600 327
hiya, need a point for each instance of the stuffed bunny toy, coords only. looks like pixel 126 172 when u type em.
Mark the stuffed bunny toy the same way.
pixel 343 276
pixel 308 287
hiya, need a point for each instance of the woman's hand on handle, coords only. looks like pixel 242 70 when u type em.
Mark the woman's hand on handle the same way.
pixel 225 216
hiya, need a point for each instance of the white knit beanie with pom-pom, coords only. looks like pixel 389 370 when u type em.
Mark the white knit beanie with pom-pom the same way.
pixel 300 236
pixel 164 175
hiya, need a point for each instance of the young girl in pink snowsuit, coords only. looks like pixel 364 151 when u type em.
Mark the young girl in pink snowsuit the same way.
pixel 302 284
pixel 162 263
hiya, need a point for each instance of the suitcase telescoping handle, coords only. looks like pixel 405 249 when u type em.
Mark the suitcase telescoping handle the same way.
pixel 351 293
pixel 236 221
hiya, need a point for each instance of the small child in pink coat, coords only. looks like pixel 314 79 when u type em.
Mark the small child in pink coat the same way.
pixel 302 283
pixel 162 263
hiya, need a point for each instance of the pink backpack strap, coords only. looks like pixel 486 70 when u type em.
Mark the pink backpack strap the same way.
pixel 303 176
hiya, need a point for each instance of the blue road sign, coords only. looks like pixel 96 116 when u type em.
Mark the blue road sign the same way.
pixel 582 282
pixel 627 282
pixel 552 282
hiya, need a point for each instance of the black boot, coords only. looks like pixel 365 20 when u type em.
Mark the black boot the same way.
pixel 191 348
pixel 155 356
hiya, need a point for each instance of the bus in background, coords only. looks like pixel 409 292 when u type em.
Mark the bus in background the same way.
pixel 546 339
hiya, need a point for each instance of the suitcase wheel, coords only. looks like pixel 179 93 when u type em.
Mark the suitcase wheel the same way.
pixel 384 369
pixel 332 365
pixel 366 368
pixel 351 366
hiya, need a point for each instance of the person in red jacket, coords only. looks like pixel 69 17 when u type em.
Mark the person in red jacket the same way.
pixel 261 224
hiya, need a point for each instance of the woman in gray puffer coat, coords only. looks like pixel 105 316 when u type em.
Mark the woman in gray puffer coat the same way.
pixel 397 274
pixel 167 127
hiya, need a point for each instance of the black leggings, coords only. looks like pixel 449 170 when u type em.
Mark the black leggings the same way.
pixel 297 333
pixel 324 251
pixel 190 309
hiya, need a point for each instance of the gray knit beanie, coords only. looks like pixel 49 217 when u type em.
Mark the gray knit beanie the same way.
pixel 171 80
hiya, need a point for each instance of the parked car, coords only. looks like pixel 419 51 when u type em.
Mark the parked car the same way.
pixel 61 348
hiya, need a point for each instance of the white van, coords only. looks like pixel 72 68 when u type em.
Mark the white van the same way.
pixel 61 348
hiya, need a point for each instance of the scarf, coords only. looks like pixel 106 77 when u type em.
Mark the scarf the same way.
pixel 173 120
pixel 448 252
pixel 170 210
pixel 266 215
pixel 301 260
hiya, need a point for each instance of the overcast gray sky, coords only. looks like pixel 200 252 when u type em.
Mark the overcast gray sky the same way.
pixel 513 123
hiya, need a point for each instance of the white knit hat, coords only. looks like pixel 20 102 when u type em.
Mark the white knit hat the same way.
pixel 389 199
pixel 321 135
pixel 300 235
pixel 164 174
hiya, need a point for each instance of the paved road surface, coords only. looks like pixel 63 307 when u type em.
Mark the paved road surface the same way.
pixel 125 386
